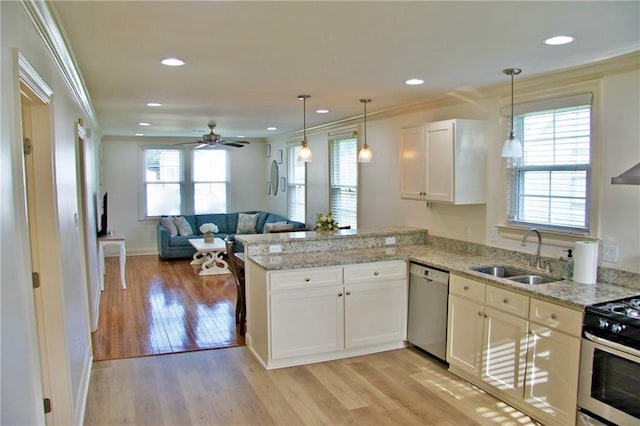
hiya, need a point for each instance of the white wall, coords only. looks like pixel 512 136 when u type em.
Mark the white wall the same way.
pixel 121 174
pixel 21 383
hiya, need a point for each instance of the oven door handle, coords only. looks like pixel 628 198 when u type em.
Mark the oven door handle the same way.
pixel 612 345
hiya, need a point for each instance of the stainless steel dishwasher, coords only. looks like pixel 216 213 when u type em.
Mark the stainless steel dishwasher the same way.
pixel 428 294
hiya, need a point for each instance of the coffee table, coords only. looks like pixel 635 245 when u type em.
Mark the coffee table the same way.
pixel 209 255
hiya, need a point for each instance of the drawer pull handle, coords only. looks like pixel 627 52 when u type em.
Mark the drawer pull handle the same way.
pixel 466 287
pixel 554 316
pixel 376 273
pixel 307 279
pixel 340 294
pixel 505 300
pixel 348 293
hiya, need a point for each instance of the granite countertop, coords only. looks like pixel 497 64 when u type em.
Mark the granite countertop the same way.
pixel 567 292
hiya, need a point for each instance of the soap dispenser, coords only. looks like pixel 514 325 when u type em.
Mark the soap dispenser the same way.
pixel 567 269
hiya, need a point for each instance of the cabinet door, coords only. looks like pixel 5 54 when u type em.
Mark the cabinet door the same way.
pixel 306 322
pixel 438 151
pixel 375 312
pixel 552 374
pixel 412 163
pixel 505 352
pixel 464 335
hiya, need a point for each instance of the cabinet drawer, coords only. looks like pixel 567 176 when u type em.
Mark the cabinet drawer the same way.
pixel 464 287
pixel 378 271
pixel 507 301
pixel 304 278
pixel 555 316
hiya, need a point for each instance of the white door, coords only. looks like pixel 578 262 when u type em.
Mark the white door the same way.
pixel 375 312
pixel 439 150
pixel 464 331
pixel 412 163
pixel 307 322
pixel 552 373
pixel 505 352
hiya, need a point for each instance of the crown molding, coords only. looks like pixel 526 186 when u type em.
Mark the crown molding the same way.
pixel 45 21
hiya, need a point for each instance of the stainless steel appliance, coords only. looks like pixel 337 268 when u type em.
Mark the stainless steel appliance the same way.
pixel 609 386
pixel 428 293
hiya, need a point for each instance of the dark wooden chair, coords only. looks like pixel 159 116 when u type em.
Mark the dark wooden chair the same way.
pixel 237 269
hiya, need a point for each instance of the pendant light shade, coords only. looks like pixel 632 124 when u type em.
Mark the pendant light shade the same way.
pixel 365 155
pixel 512 147
pixel 304 154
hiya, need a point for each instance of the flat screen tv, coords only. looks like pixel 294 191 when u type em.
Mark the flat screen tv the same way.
pixel 102 226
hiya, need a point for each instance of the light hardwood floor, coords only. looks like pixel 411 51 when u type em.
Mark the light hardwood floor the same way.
pixel 229 386
pixel 166 308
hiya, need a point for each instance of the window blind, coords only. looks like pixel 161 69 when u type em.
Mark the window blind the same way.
pixel 209 180
pixel 162 181
pixel 343 170
pixel 550 183
pixel 296 186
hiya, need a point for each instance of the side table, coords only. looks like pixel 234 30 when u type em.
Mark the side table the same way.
pixel 115 239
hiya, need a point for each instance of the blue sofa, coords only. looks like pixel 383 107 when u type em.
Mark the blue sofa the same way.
pixel 178 247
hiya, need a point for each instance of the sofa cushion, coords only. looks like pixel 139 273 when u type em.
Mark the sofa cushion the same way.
pixel 167 222
pixel 247 223
pixel 219 219
pixel 183 225
pixel 278 227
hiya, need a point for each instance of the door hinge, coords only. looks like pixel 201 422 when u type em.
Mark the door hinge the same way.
pixel 27 146
pixel 47 405
pixel 35 278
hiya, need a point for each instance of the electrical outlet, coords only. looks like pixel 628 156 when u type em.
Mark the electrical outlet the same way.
pixel 275 248
pixel 494 235
pixel 390 240
pixel 610 253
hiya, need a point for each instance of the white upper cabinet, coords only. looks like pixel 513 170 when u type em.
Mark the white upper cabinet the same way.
pixel 444 161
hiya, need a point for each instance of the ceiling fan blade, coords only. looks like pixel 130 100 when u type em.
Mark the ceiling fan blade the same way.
pixel 237 144
pixel 202 145
pixel 185 143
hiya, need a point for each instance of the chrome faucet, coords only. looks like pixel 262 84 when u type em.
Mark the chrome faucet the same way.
pixel 538 265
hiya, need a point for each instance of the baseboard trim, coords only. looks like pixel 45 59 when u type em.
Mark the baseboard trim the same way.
pixel 83 389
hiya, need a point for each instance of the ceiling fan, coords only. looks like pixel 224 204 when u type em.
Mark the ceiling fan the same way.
pixel 212 139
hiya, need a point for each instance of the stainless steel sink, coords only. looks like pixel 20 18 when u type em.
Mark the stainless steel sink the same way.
pixel 514 274
pixel 500 271
pixel 533 279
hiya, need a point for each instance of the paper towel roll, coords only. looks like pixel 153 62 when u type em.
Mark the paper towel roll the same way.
pixel 585 269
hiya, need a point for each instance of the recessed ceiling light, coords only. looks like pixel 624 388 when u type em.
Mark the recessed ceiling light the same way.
pixel 414 81
pixel 241 136
pixel 144 124
pixel 558 40
pixel 154 104
pixel 172 62
pixel 139 134
pixel 272 128
pixel 322 111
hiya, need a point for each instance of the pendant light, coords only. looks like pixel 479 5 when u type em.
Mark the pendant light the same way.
pixel 304 154
pixel 512 147
pixel 365 155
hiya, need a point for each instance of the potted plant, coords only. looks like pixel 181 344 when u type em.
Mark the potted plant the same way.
pixel 209 230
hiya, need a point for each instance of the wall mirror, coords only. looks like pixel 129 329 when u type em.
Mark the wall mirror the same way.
pixel 274 177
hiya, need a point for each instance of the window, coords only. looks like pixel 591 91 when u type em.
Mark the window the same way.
pixel 296 186
pixel 343 175
pixel 173 186
pixel 550 184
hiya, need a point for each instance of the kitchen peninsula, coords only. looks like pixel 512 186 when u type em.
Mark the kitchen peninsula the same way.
pixel 320 296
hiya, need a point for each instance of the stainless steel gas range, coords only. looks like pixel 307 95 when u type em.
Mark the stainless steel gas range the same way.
pixel 609 385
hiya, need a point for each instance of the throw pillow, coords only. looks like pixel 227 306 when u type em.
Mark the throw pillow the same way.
pixel 167 222
pixel 270 227
pixel 247 223
pixel 183 226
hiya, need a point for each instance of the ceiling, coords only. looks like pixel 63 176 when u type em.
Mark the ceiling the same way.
pixel 246 62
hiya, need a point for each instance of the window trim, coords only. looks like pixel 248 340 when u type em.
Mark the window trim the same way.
pixel 288 145
pixel 545 96
pixel 186 183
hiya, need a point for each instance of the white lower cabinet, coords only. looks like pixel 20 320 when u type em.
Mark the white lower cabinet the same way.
pixel 328 313
pixel 493 341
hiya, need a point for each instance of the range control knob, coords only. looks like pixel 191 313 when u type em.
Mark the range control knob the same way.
pixel 617 328
pixel 603 324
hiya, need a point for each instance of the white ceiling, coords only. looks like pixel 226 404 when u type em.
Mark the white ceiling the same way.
pixel 246 62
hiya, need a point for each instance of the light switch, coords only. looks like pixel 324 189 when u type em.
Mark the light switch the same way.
pixel 390 240
pixel 275 248
pixel 610 253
